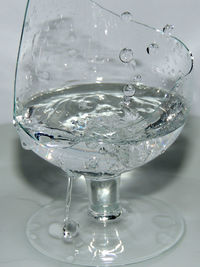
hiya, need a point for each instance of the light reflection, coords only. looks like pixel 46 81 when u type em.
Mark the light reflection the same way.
pixel 49 155
pixel 99 79
pixel 106 247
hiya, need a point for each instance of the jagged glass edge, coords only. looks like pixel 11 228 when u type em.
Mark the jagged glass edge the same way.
pixel 15 121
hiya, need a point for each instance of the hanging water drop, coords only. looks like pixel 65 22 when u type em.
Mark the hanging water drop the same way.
pixel 129 90
pixel 126 55
pixel 152 48
pixel 127 16
pixel 70 230
pixel 168 28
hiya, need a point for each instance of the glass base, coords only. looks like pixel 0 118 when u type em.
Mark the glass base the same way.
pixel 146 228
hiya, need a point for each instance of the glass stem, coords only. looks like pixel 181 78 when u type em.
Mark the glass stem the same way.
pixel 104 198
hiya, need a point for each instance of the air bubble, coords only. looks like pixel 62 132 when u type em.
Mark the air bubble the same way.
pixel 127 16
pixel 129 90
pixel 168 28
pixel 70 230
pixel 152 48
pixel 126 55
pixel 137 78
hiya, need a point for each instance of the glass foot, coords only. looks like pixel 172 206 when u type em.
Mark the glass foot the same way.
pixel 146 228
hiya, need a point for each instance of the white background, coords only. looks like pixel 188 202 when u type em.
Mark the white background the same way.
pixel 183 14
pixel 25 179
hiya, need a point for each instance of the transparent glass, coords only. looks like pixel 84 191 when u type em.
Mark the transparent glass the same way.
pixel 98 94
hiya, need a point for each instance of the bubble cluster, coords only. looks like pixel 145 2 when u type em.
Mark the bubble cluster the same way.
pixel 168 28
pixel 152 48
pixel 126 55
pixel 127 16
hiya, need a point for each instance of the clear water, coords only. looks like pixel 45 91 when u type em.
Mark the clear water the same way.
pixel 95 129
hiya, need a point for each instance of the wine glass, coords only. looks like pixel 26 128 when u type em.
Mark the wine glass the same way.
pixel 98 94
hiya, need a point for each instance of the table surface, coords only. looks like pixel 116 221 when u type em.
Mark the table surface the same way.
pixel 28 182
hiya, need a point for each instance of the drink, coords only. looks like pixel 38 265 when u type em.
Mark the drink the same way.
pixel 92 128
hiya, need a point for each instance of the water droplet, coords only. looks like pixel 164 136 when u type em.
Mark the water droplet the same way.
pixel 126 55
pixel 70 230
pixel 152 48
pixel 44 75
pixel 168 28
pixel 129 90
pixel 137 78
pixel 55 230
pixel 127 16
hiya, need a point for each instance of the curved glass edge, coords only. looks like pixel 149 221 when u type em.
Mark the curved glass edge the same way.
pixel 17 63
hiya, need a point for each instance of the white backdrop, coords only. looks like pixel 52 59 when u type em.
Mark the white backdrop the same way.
pixel 183 14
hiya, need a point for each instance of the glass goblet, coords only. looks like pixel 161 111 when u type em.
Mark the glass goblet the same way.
pixel 99 94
